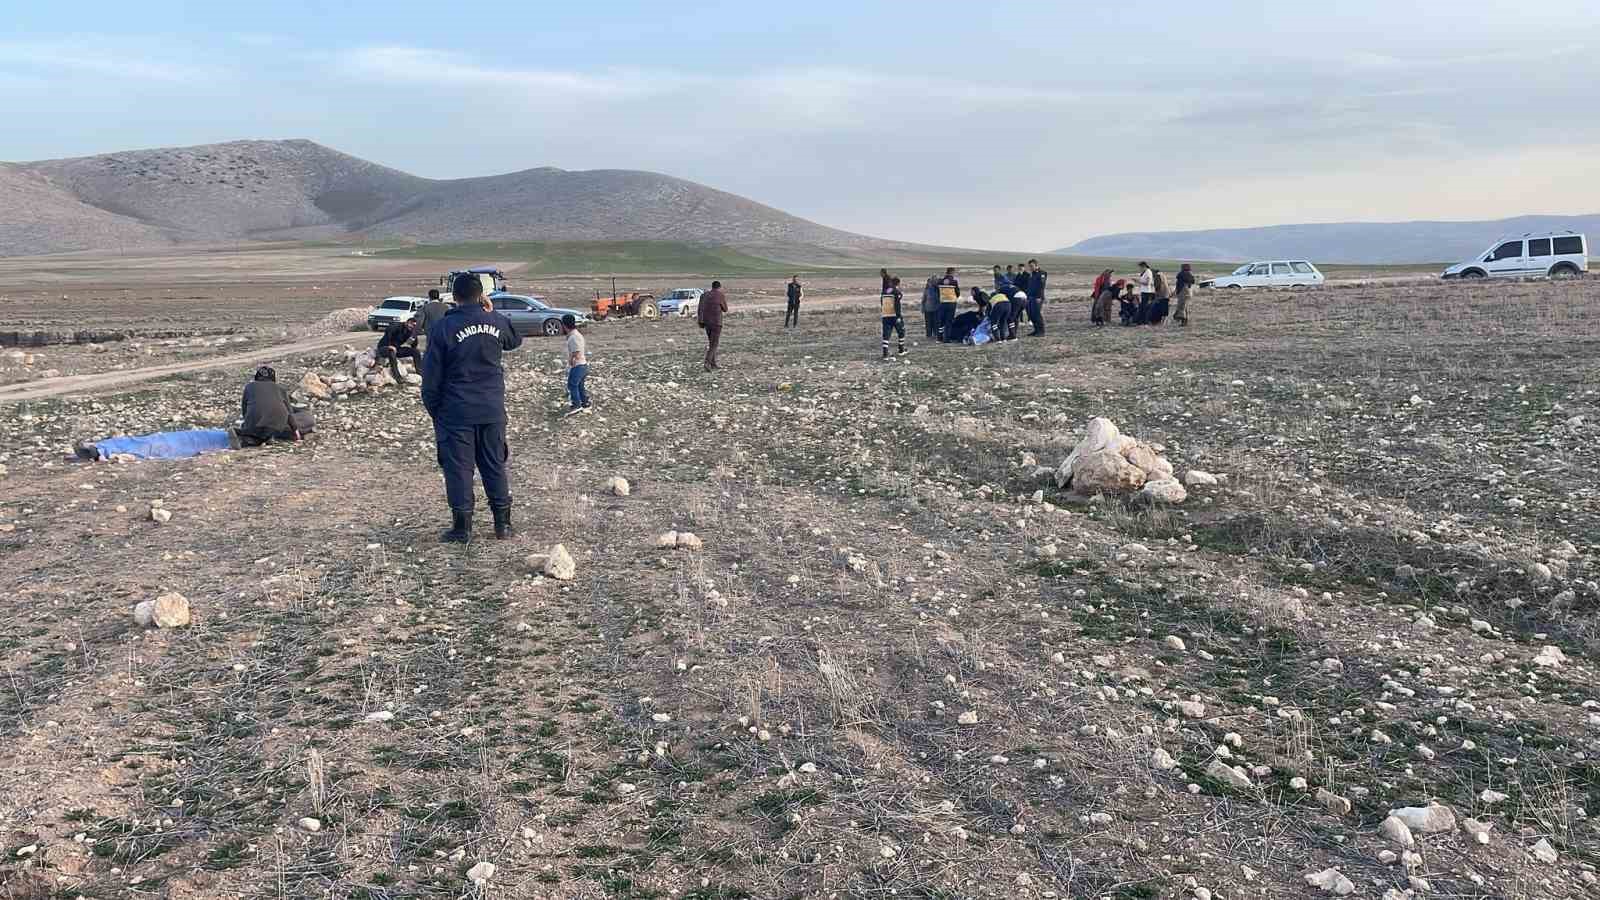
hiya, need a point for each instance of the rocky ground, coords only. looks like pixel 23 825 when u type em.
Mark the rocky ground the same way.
pixel 897 658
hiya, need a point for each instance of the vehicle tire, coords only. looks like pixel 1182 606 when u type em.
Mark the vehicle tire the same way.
pixel 552 327
pixel 1564 271
pixel 1235 287
pixel 1474 273
pixel 649 310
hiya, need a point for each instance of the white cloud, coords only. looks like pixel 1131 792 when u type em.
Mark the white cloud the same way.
pixel 123 60
pixel 416 66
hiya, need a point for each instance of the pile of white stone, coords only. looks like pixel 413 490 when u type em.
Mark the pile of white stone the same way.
pixel 1106 461
pixel 362 372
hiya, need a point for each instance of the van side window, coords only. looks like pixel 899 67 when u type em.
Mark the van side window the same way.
pixel 1280 269
pixel 1260 269
pixel 1507 250
pixel 1569 245
pixel 1539 247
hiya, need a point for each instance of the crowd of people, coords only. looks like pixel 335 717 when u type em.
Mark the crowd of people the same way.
pixel 1146 299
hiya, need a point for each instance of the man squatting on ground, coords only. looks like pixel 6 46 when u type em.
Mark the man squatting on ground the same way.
pixel 893 320
pixel 399 342
pixel 577 364
pixel 464 391
pixel 793 310
pixel 266 413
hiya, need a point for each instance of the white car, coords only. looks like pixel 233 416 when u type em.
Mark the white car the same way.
pixel 1555 254
pixel 680 302
pixel 1286 273
pixel 392 310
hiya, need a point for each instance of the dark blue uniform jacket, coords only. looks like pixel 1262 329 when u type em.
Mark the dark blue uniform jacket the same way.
pixel 463 382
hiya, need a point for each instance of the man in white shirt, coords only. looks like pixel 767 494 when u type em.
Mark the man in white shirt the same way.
pixel 1147 293
pixel 577 365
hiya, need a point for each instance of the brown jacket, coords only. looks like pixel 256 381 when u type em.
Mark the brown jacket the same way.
pixel 713 304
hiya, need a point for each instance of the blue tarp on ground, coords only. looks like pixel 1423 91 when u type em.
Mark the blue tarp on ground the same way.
pixel 165 444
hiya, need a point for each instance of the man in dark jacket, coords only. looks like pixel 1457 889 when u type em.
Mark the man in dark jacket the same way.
pixel 930 306
pixel 266 412
pixel 399 342
pixel 1035 279
pixel 464 391
pixel 713 305
pixel 429 316
pixel 795 293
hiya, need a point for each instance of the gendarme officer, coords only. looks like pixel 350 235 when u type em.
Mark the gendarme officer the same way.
pixel 464 390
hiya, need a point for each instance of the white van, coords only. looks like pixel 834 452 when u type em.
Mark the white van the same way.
pixel 1555 254
pixel 1288 273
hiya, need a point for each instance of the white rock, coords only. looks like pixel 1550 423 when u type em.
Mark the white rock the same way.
pixel 481 873
pixel 1163 760
pixel 310 824
pixel 1332 881
pixel 1175 643
pixel 560 564
pixel 1544 853
pixel 687 540
pixel 1233 776
pixel 382 715
pixel 1197 478
pixel 1333 803
pixel 160 516
pixel 969 717
pixel 1165 490
pixel 144 613
pixel 413 378
pixel 618 485
pixel 1488 796
pixel 1430 819
pixel 1550 657
pixel 1192 709
pixel 1396 832
pixel 667 540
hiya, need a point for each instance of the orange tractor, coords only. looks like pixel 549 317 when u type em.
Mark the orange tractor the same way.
pixel 626 303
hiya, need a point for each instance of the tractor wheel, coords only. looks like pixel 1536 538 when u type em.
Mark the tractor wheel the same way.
pixel 649 310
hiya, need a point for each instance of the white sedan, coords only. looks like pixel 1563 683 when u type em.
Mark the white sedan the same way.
pixel 1286 273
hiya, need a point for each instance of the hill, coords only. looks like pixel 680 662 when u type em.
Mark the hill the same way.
pixel 277 190
pixel 1376 243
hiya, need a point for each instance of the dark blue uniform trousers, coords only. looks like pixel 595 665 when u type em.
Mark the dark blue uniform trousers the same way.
pixel 461 447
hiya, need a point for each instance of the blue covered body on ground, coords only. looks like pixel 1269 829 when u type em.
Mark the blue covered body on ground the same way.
pixel 165 444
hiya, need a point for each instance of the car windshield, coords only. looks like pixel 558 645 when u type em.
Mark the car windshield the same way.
pixel 1244 269
pixel 396 304
pixel 537 303
pixel 680 295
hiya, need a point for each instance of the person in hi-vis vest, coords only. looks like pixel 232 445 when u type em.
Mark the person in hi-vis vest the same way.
pixel 949 292
pixel 893 320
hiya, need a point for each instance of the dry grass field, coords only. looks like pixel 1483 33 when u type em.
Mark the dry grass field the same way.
pixel 893 670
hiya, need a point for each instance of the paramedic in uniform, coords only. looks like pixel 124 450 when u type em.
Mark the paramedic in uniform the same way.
pixel 464 390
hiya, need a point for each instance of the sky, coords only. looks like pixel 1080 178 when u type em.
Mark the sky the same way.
pixel 997 125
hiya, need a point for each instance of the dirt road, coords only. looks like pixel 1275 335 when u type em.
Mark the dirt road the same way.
pixel 111 382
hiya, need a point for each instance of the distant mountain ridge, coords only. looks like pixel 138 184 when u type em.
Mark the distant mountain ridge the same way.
pixel 1372 243
pixel 301 190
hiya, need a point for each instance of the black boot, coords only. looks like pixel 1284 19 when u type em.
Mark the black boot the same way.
pixel 502 523
pixel 460 528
